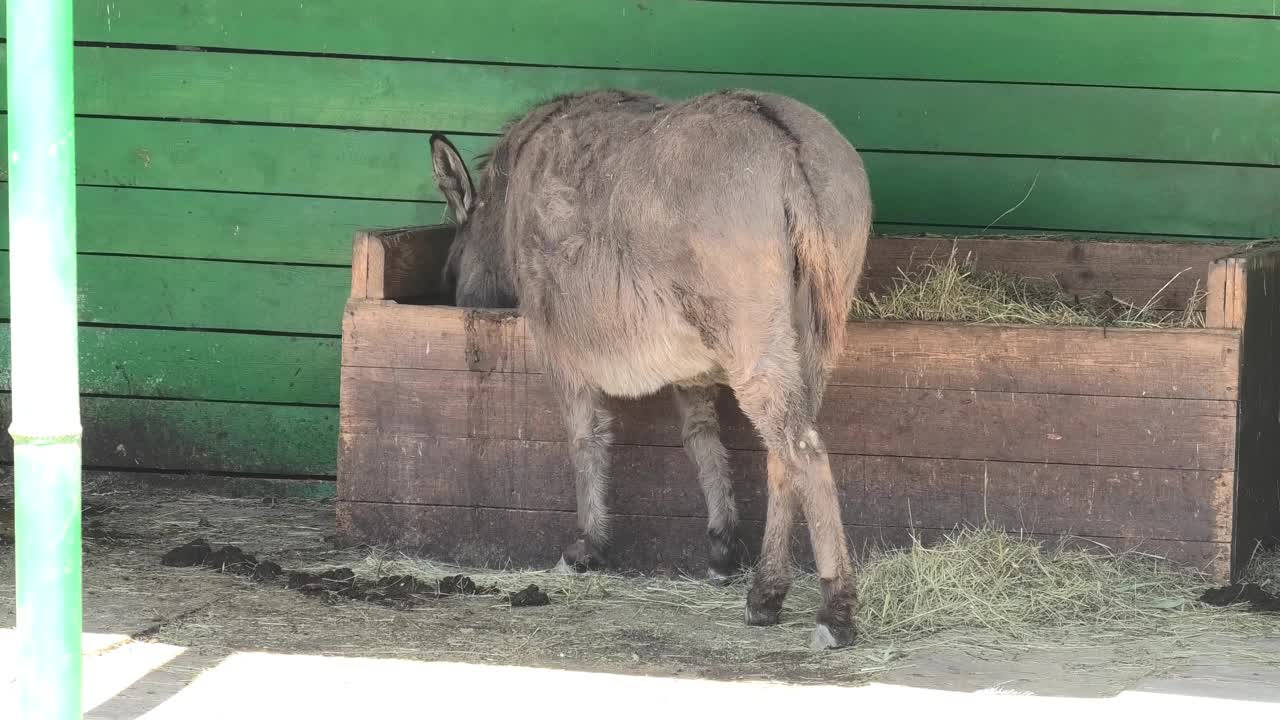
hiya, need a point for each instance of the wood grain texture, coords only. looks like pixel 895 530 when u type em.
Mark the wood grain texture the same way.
pixel 730 37
pixel 436 338
pixel 487 537
pixel 150 363
pixel 1187 364
pixel 361 250
pixel 1139 272
pixel 178 293
pixel 1022 427
pixel 1037 498
pixel 1225 301
pixel 136 434
pixel 903 115
pixel 1165 274
pixel 399 264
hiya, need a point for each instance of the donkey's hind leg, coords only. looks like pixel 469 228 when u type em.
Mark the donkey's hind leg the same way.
pixel 701 435
pixel 588 424
pixel 773 393
pixel 772 577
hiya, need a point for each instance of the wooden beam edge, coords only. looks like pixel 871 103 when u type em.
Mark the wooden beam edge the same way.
pixel 1225 298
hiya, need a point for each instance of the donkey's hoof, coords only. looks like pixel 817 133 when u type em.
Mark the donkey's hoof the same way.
pixel 582 556
pixel 725 558
pixel 563 568
pixel 830 637
pixel 763 615
pixel 719 579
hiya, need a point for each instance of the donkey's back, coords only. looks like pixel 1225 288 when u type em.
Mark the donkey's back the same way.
pixel 650 240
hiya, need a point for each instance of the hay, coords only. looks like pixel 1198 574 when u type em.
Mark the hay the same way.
pixel 954 290
pixel 989 582
pixel 1264 569
pixel 975 589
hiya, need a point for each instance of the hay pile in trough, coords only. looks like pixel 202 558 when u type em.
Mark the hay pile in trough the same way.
pixel 954 290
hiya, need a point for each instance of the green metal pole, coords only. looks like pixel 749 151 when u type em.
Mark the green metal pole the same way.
pixel 45 363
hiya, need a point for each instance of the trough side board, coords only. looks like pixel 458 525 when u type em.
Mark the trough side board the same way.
pixel 451 444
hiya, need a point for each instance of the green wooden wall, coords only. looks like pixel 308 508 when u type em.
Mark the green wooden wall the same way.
pixel 229 148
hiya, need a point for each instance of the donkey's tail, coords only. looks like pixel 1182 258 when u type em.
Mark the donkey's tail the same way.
pixel 828 240
pixel 825 278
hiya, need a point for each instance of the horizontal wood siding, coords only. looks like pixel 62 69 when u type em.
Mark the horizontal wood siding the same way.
pixel 475 536
pixel 1015 427
pixel 929 426
pixel 227 152
pixel 1115 362
pixel 925 493
pixel 825 40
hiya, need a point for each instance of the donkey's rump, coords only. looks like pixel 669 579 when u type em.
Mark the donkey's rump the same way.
pixel 640 252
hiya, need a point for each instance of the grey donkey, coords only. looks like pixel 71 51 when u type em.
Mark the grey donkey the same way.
pixel 649 244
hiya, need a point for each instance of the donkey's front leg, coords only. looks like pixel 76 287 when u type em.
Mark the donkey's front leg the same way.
pixel 587 424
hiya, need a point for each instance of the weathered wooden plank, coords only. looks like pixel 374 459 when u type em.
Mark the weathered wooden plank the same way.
pixel 1257 496
pixel 1225 302
pixel 487 537
pixel 917 115
pixel 1188 364
pixel 1165 274
pixel 1084 361
pixel 1046 498
pixel 1021 427
pixel 143 362
pixel 949 232
pixel 1135 271
pixel 138 434
pixel 963 44
pixel 202 294
pixel 230 226
pixel 435 338
pixel 398 264
pixel 481 537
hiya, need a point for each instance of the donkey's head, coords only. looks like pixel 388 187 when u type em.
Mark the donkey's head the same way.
pixel 477 266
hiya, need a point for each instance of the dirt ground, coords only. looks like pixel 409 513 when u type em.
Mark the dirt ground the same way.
pixel 637 626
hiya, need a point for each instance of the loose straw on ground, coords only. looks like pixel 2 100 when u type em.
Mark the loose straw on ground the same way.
pixel 975 588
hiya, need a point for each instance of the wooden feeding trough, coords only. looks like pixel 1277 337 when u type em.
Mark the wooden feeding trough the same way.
pixel 1163 440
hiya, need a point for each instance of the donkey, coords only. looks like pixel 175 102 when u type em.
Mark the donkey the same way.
pixel 648 244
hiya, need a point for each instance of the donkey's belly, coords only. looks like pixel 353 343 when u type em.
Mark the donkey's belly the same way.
pixel 640 366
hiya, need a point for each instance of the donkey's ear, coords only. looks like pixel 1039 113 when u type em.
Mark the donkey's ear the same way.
pixel 452 178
